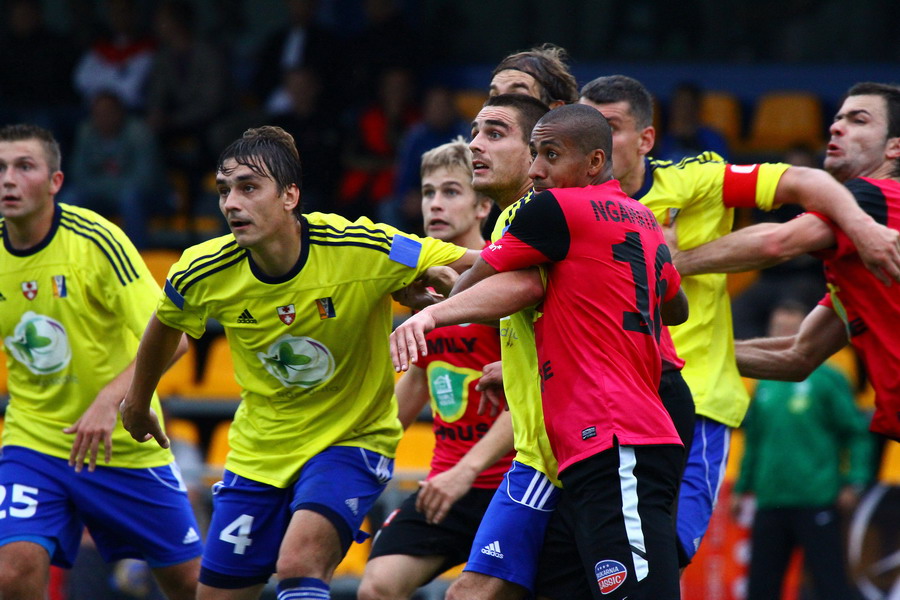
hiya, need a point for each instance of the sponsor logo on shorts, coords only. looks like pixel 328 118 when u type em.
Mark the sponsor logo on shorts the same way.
pixel 611 574
pixel 191 536
pixel 493 549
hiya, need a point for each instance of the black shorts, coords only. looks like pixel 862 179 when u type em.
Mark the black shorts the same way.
pixel 405 531
pixel 676 397
pixel 615 515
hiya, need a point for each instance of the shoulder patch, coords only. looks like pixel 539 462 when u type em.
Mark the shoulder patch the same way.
pixel 405 251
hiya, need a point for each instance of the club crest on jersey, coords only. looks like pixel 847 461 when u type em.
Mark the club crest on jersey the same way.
pixel 611 574
pixel 326 308
pixel 287 314
pixel 29 289
pixel 59 286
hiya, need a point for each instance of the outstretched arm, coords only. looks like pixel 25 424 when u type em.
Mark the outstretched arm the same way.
pixel 155 353
pixel 754 247
pixel 437 495
pixel 499 295
pixel 412 395
pixel 816 190
pixel 793 358
pixel 97 423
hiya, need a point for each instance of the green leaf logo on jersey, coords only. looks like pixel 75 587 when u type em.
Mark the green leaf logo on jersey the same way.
pixel 40 343
pixel 298 361
pixel 449 387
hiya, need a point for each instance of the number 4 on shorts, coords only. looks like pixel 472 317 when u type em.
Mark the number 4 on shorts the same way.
pixel 238 533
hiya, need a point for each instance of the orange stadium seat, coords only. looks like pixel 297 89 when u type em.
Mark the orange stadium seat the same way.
pixel 4 375
pixel 722 111
pixel 414 452
pixel 217 451
pixel 218 374
pixel 179 379
pixel 469 102
pixel 785 119
pixel 159 261
pixel 354 562
pixel 184 430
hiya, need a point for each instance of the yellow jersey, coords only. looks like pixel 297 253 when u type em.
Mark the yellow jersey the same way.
pixel 310 348
pixel 521 382
pixel 72 312
pixel 704 190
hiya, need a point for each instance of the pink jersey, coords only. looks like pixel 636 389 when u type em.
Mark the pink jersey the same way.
pixel 456 355
pixel 598 339
pixel 870 309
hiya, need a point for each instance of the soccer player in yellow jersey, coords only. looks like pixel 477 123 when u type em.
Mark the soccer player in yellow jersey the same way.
pixel 703 191
pixel 75 297
pixel 504 556
pixel 305 302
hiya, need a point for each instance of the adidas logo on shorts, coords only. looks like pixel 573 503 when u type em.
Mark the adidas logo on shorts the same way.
pixel 492 549
pixel 190 537
pixel 353 505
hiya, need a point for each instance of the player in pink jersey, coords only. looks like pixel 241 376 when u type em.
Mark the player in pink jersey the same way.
pixel 433 528
pixel 864 154
pixel 610 285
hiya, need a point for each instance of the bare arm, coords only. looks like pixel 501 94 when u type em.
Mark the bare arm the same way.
pixel 675 311
pixel 816 190
pixel 461 264
pixel 438 494
pixel 754 247
pixel 155 354
pixel 821 334
pixel 499 295
pixel 97 423
pixel 412 395
pixel 480 270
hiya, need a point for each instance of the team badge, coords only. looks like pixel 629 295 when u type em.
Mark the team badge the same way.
pixel 287 314
pixel 29 289
pixel 59 286
pixel 326 308
pixel 611 574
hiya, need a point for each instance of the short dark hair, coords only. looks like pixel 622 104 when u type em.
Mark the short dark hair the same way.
pixel 547 64
pixel 25 131
pixel 891 94
pixel 620 88
pixel 583 125
pixel 529 110
pixel 268 151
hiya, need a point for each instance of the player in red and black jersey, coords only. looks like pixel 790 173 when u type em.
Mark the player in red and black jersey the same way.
pixel 864 153
pixel 609 285
pixel 433 529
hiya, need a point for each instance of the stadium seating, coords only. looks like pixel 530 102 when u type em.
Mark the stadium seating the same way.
pixel 218 380
pixel 785 119
pixel 179 379
pixel 413 459
pixel 159 261
pixel 217 451
pixel 469 102
pixel 722 111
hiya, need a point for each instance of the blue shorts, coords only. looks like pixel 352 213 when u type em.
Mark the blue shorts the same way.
pixel 509 540
pixel 250 518
pixel 44 501
pixel 702 479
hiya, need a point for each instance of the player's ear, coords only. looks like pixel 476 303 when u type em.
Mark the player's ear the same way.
pixel 892 149
pixel 648 138
pixel 291 197
pixel 56 181
pixel 596 162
